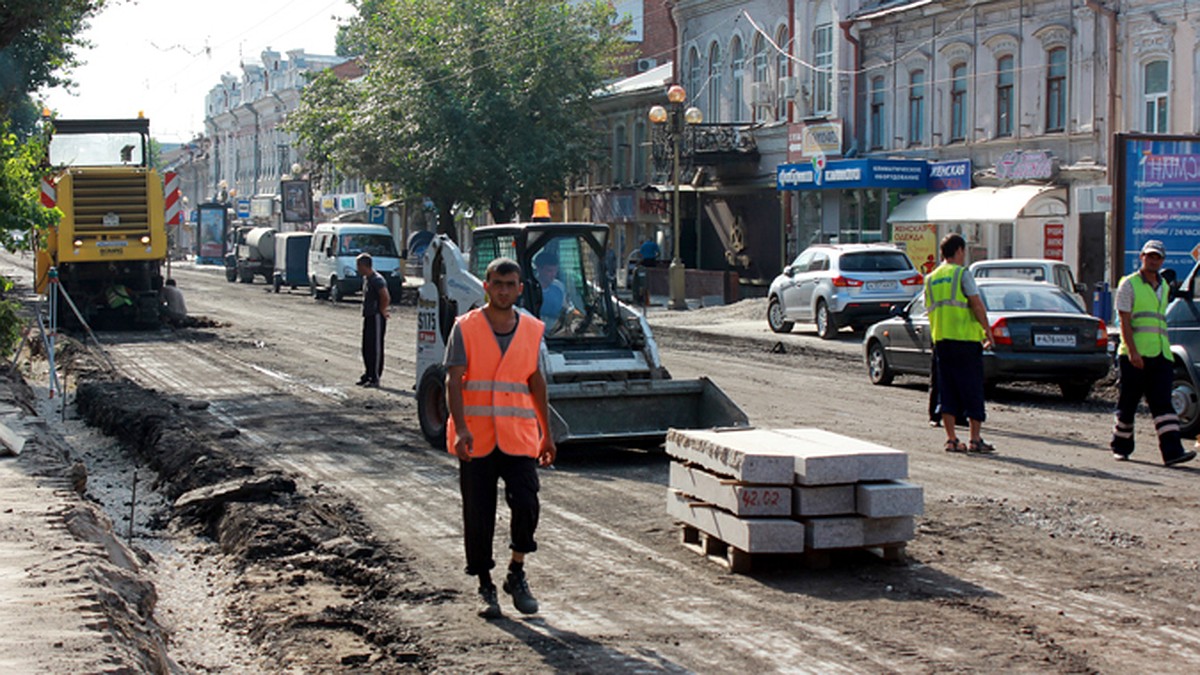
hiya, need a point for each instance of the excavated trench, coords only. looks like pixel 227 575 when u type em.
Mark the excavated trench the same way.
pixel 312 589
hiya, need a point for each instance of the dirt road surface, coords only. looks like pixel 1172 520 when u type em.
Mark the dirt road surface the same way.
pixel 1046 557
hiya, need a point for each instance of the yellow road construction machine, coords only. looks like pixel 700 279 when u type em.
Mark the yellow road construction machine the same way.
pixel 111 242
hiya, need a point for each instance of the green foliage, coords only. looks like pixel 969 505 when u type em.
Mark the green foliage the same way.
pixel 472 103
pixel 38 40
pixel 21 210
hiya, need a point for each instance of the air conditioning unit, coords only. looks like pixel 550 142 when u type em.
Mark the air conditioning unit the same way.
pixel 646 64
pixel 787 87
pixel 762 95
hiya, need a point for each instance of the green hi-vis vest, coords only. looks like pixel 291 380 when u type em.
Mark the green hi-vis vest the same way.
pixel 950 316
pixel 1149 319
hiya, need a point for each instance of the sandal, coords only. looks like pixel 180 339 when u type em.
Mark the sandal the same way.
pixel 981 447
pixel 955 445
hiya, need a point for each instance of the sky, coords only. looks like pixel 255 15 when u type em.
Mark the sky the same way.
pixel 163 56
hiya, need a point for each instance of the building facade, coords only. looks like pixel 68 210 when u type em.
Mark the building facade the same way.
pixel 1015 99
pixel 250 152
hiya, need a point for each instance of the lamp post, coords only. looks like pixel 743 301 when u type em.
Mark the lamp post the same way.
pixel 675 119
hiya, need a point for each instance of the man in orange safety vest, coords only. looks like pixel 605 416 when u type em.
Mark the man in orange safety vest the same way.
pixel 498 428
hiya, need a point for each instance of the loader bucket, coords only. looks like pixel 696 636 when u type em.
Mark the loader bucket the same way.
pixel 638 410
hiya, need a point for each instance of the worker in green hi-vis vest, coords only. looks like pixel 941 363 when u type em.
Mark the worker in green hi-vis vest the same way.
pixel 960 332
pixel 1145 359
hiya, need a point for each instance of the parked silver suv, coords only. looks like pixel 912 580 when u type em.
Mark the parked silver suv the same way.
pixel 836 285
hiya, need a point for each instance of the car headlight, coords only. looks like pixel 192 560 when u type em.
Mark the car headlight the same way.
pixel 347 271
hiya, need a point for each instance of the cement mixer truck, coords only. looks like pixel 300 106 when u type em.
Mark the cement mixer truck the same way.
pixel 605 379
pixel 253 255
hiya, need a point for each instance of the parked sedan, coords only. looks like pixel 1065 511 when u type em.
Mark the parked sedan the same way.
pixel 1040 333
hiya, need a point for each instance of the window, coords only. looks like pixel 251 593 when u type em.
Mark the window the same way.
pixel 639 152
pixel 1004 96
pixel 737 64
pixel 1156 83
pixel 620 156
pixel 823 75
pixel 958 102
pixel 714 83
pixel 1056 89
pixel 760 74
pixel 878 94
pixel 781 72
pixel 916 107
pixel 693 73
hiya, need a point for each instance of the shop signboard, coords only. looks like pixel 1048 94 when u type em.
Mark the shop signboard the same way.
pixel 1052 241
pixel 919 241
pixel 809 139
pixel 951 175
pixel 850 174
pixel 1158 188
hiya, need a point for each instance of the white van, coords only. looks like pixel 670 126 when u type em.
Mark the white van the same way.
pixel 332 271
pixel 1033 269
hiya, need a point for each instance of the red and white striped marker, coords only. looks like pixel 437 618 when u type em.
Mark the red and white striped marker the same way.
pixel 49 193
pixel 174 208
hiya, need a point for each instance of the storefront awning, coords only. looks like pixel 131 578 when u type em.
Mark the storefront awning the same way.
pixel 980 205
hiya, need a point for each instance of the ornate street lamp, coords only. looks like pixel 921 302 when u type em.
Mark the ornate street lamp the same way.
pixel 675 120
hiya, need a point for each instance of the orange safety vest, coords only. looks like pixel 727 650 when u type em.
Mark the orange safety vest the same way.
pixel 497 403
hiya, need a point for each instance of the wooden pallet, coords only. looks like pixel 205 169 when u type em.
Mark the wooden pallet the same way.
pixel 743 562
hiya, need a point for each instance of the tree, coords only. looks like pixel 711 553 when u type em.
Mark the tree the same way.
pixel 38 40
pixel 471 103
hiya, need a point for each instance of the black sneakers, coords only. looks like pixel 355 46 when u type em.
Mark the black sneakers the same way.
pixel 1185 457
pixel 489 604
pixel 516 586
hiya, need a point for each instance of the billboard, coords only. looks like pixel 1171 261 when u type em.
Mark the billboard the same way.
pixel 210 242
pixel 1158 183
pixel 297 201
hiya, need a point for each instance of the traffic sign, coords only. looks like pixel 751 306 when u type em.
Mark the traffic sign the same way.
pixel 243 208
pixel 375 215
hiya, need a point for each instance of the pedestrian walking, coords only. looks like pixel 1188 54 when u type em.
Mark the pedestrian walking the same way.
pixel 376 301
pixel 498 428
pixel 960 332
pixel 1146 364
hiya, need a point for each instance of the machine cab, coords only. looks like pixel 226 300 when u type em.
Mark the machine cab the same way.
pixel 562 267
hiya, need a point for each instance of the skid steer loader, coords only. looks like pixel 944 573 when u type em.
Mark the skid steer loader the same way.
pixel 605 379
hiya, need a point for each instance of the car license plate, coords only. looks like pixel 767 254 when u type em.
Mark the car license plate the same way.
pixel 882 285
pixel 1053 340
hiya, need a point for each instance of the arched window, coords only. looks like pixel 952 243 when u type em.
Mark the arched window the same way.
pixel 693 74
pixel 1004 96
pixel 1156 83
pixel 1056 89
pixel 760 78
pixel 782 74
pixel 878 113
pixel 823 61
pixel 714 83
pixel 916 107
pixel 620 156
pixel 737 66
pixel 958 102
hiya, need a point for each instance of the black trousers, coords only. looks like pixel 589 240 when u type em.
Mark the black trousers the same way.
pixel 935 402
pixel 374 330
pixel 478 480
pixel 1152 381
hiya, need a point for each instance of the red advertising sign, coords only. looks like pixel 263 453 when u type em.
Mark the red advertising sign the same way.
pixel 1052 247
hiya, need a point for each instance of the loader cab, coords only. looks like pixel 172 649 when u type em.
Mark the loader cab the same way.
pixel 562 267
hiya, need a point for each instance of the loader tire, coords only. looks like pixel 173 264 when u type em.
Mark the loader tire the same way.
pixel 431 406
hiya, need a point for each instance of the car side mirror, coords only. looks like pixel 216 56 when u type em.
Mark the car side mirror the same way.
pixel 1081 289
pixel 899 310
pixel 1180 291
